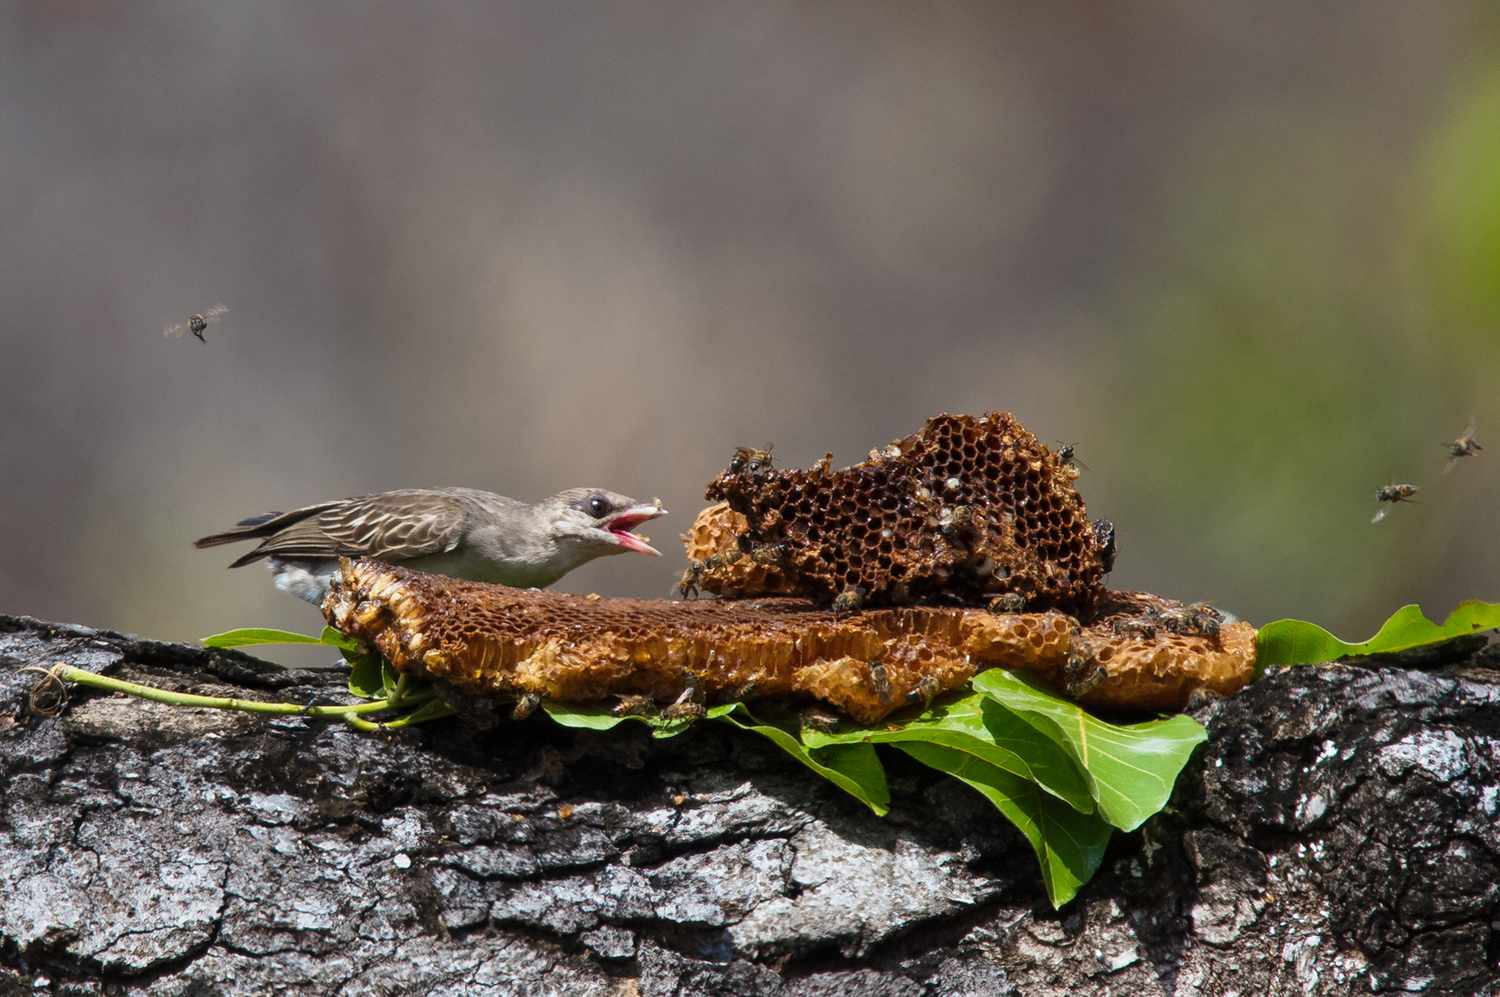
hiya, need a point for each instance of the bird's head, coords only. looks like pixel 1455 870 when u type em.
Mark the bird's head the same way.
pixel 595 521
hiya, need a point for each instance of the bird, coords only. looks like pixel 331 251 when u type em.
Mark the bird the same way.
pixel 461 532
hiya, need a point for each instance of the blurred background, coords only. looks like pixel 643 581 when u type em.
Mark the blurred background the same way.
pixel 1245 256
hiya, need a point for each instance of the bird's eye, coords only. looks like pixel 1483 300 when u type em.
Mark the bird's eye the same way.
pixel 600 507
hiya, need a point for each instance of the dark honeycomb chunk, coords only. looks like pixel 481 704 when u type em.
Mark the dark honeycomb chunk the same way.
pixel 965 510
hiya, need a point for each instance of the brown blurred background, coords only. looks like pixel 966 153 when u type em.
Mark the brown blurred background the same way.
pixel 1246 256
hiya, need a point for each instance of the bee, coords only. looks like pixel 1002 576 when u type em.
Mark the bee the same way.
pixel 926 690
pixel 1464 446
pixel 1082 673
pixel 1104 539
pixel 1196 619
pixel 880 682
pixel 1067 456
pixel 851 600
pixel 635 706
pixel 688 586
pixel 689 705
pixel 771 554
pixel 525 706
pixel 1393 493
pixel 1008 602
pixel 754 462
pixel 197 322
pixel 960 525
pixel 818 720
pixel 1136 626
pixel 1204 619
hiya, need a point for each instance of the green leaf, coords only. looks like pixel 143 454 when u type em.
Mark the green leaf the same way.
pixel 854 768
pixel 388 679
pixel 1130 769
pixel 1069 845
pixel 1296 642
pixel 250 636
pixel 587 716
pixel 979 726
pixel 583 716
pixel 334 638
pixel 365 675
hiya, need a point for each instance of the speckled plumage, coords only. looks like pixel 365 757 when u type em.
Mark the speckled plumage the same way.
pixel 461 532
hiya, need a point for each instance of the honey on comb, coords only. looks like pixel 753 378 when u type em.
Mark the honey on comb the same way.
pixel 506 643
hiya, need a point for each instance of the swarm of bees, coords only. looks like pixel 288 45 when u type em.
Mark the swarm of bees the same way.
pixel 1198 619
pixel 197 322
pixel 1464 446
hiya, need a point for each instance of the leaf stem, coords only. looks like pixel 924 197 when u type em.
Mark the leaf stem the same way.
pixel 405 720
pixel 70 674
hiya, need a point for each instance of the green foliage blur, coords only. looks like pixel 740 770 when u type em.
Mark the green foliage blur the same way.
pixel 1290 352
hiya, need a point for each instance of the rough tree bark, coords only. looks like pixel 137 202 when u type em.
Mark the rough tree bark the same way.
pixel 1338 833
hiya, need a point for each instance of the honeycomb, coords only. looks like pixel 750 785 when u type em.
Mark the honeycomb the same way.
pixel 712 545
pixel 507 643
pixel 966 510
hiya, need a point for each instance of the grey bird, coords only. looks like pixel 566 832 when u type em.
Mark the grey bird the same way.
pixel 462 532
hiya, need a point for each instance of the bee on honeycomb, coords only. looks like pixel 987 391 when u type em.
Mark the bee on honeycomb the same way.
pixel 967 510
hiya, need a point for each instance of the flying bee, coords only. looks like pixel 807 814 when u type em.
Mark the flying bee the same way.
pixel 1067 456
pixel 197 322
pixel 1393 493
pixel 1464 446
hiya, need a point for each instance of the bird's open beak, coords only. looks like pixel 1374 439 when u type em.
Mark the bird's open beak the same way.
pixel 621 523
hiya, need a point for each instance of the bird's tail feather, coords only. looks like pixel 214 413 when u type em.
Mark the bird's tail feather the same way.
pixel 258 527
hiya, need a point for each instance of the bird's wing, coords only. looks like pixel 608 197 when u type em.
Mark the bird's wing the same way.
pixel 392 526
